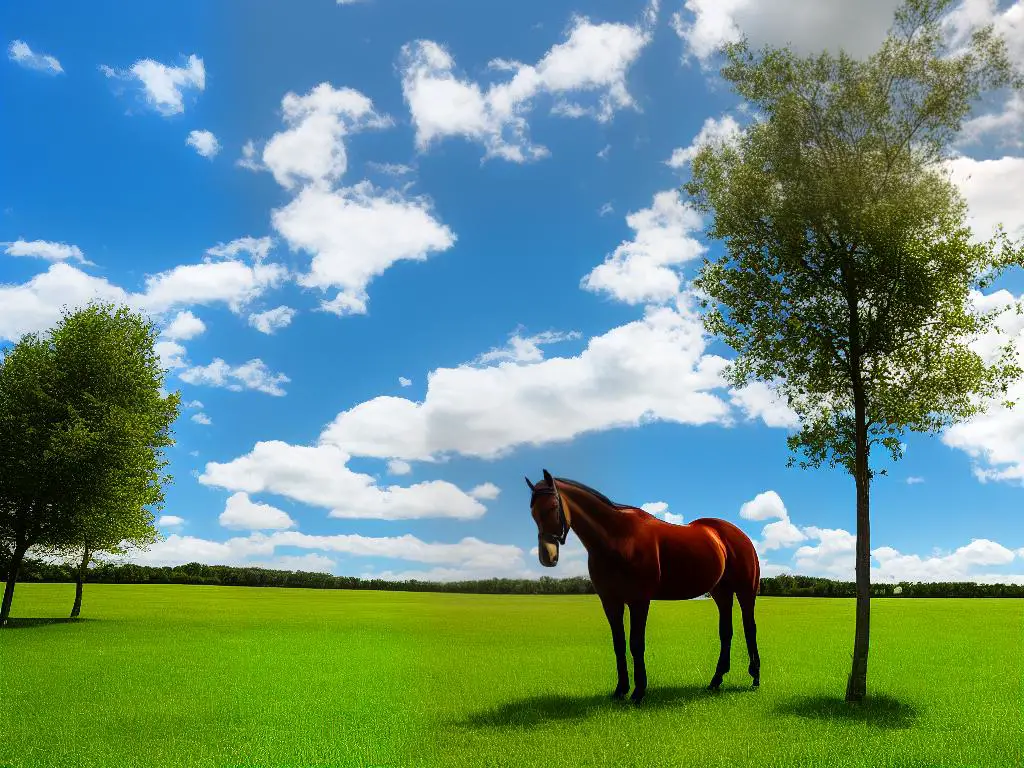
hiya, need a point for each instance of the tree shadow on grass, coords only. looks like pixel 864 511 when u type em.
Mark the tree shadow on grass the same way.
pixel 28 623
pixel 878 711
pixel 535 711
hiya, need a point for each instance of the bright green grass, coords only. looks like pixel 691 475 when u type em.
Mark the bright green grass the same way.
pixel 189 675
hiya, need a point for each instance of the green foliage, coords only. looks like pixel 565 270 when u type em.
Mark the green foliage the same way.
pixel 83 423
pixel 848 259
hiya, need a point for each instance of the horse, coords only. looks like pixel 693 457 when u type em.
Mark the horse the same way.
pixel 635 558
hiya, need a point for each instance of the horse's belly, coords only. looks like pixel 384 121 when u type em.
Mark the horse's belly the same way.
pixel 688 569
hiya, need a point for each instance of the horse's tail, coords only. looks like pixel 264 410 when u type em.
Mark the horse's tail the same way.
pixel 743 567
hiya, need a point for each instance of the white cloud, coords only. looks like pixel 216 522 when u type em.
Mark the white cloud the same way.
pixel 355 234
pixel 809 25
pixel 834 557
pixel 715 131
pixel 520 349
pixel 201 418
pixel 404 381
pixel 759 400
pixel 913 480
pixel 593 58
pixel 652 369
pixel 642 270
pixel 193 404
pixel 312 148
pixel 603 154
pixel 992 189
pixel 183 327
pixel 231 282
pixel 164 85
pixel 272 320
pixel 204 142
pixel 170 520
pixel 392 169
pixel 485 492
pixel 469 553
pixel 44 249
pixel 605 209
pixel 242 513
pixel 248 159
pixel 253 374
pixel 257 247
pixel 20 53
pixel 660 509
pixel 764 506
pixel 311 563
pixel 319 476
pixel 172 354
pixel 399 467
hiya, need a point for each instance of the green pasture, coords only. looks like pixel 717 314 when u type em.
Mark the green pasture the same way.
pixel 168 675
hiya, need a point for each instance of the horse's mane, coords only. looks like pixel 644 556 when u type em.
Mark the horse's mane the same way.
pixel 596 493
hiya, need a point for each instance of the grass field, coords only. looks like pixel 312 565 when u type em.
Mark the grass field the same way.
pixel 168 675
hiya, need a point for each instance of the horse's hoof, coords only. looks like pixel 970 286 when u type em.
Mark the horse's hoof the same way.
pixel 618 695
pixel 636 699
pixel 714 685
pixel 756 684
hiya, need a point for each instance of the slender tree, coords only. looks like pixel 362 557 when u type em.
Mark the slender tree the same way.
pixel 848 274
pixel 86 406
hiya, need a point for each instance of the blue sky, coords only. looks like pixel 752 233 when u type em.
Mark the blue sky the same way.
pixel 403 254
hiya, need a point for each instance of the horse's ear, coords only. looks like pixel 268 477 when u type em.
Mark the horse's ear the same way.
pixel 550 480
pixel 528 482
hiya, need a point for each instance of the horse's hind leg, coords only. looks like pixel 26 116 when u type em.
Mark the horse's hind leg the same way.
pixel 722 595
pixel 746 600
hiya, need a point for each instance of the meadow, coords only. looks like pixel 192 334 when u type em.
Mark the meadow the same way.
pixel 173 675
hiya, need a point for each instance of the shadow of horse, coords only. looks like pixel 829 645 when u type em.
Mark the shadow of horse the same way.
pixel 876 711
pixel 535 711
pixel 29 623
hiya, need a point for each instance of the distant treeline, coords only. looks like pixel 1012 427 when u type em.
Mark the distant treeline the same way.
pixel 244 576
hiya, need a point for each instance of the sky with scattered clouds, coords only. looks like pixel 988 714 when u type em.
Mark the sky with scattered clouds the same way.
pixel 403 254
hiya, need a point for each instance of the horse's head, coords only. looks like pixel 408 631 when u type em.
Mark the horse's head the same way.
pixel 550 516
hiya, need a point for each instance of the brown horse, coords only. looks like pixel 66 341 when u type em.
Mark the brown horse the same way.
pixel 634 558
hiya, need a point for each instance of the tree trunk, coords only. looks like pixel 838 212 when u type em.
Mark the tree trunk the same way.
pixel 77 607
pixel 12 577
pixel 856 686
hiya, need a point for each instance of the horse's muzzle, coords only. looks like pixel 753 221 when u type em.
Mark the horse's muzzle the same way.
pixel 547 553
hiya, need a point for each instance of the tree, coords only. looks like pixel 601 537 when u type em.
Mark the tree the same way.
pixel 849 274
pixel 83 421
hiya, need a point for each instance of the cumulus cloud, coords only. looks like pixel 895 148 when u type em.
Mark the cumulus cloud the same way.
pixel 991 189
pixel 470 553
pixel 202 418
pixel 399 467
pixel 44 249
pixel 204 142
pixel 164 85
pixel 354 234
pixel 20 53
pixel 653 369
pixel 312 149
pixel 643 270
pixel 525 349
pixel 183 327
pixel 776 535
pixel 660 509
pixel 404 381
pixel 759 400
pixel 715 131
pixel 248 159
pixel 257 247
pixel 241 512
pixel 319 476
pixel 808 25
pixel 170 520
pixel 593 59
pixel 253 374
pixel 272 320
pixel 485 492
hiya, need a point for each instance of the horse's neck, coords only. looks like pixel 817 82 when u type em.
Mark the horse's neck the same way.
pixel 596 523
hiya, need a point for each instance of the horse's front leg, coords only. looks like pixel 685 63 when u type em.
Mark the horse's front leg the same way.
pixel 615 611
pixel 637 630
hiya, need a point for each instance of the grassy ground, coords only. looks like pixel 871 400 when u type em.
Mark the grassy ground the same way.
pixel 197 676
